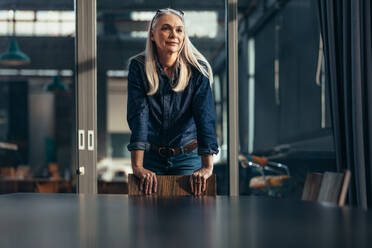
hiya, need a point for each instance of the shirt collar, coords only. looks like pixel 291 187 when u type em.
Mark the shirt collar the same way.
pixel 161 71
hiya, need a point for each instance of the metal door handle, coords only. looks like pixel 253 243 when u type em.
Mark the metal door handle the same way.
pixel 90 140
pixel 81 139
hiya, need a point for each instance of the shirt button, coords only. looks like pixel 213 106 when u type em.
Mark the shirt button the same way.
pixel 169 164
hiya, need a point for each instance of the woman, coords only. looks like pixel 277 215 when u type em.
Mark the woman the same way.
pixel 170 107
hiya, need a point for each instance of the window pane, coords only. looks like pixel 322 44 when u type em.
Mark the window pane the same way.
pixel 201 23
pixel 41 28
pixel 142 15
pixel 67 15
pixel 10 14
pixel 282 106
pixel 47 28
pixel 3 28
pixel 24 15
pixel 67 28
pixel 47 15
pixel 37 105
pixel 24 28
pixel 53 28
pixel 3 14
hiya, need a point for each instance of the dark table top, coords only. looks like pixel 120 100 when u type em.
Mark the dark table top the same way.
pixel 70 220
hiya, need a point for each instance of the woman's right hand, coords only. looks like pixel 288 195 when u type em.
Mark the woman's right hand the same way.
pixel 148 182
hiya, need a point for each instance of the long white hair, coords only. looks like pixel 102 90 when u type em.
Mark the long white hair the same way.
pixel 188 55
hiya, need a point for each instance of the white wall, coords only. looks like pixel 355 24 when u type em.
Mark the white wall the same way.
pixel 117 106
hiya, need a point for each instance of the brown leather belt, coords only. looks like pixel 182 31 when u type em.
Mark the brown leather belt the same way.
pixel 167 152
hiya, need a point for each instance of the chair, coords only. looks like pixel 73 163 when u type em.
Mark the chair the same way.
pixel 53 171
pixel 275 179
pixel 46 187
pixel 169 186
pixel 23 171
pixel 312 186
pixel 8 172
pixel 112 187
pixel 52 186
pixel 330 187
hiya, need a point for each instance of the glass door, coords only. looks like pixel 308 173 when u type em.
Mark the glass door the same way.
pixel 37 98
pixel 121 33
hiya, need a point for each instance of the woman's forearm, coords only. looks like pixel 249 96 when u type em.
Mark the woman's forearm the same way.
pixel 207 161
pixel 137 158
pixel 148 181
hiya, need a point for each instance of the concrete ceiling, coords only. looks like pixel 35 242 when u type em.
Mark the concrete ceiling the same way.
pixel 124 5
pixel 113 50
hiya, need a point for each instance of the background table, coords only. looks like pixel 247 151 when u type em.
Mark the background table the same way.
pixel 70 220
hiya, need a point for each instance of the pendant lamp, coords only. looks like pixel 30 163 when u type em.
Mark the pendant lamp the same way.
pixel 14 56
pixel 56 85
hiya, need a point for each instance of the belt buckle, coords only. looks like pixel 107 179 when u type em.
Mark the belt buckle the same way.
pixel 166 152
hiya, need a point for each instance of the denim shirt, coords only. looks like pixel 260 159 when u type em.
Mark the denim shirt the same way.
pixel 169 118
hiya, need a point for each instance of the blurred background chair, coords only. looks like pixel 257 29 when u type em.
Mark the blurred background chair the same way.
pixel 47 187
pixel 118 187
pixel 329 187
pixel 312 186
pixel 267 177
pixel 169 186
pixel 52 186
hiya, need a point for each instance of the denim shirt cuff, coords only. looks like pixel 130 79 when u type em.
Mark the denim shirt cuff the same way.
pixel 207 150
pixel 139 146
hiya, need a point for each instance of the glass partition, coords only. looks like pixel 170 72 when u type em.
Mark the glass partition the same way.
pixel 121 33
pixel 37 99
pixel 284 116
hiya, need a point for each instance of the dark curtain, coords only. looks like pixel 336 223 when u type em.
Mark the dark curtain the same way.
pixel 346 31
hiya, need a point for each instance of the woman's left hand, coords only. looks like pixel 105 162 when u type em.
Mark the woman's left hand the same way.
pixel 198 180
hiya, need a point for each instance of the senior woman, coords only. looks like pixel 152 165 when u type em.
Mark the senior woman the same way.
pixel 170 107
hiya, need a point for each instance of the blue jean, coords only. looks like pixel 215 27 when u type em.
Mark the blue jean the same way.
pixel 181 164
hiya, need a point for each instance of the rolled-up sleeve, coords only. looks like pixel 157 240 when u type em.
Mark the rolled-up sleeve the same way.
pixel 205 117
pixel 137 109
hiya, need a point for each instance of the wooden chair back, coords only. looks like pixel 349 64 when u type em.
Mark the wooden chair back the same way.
pixel 328 187
pixel 112 187
pixel 169 186
pixel 334 187
pixel 52 186
pixel 46 187
pixel 9 172
pixel 312 186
